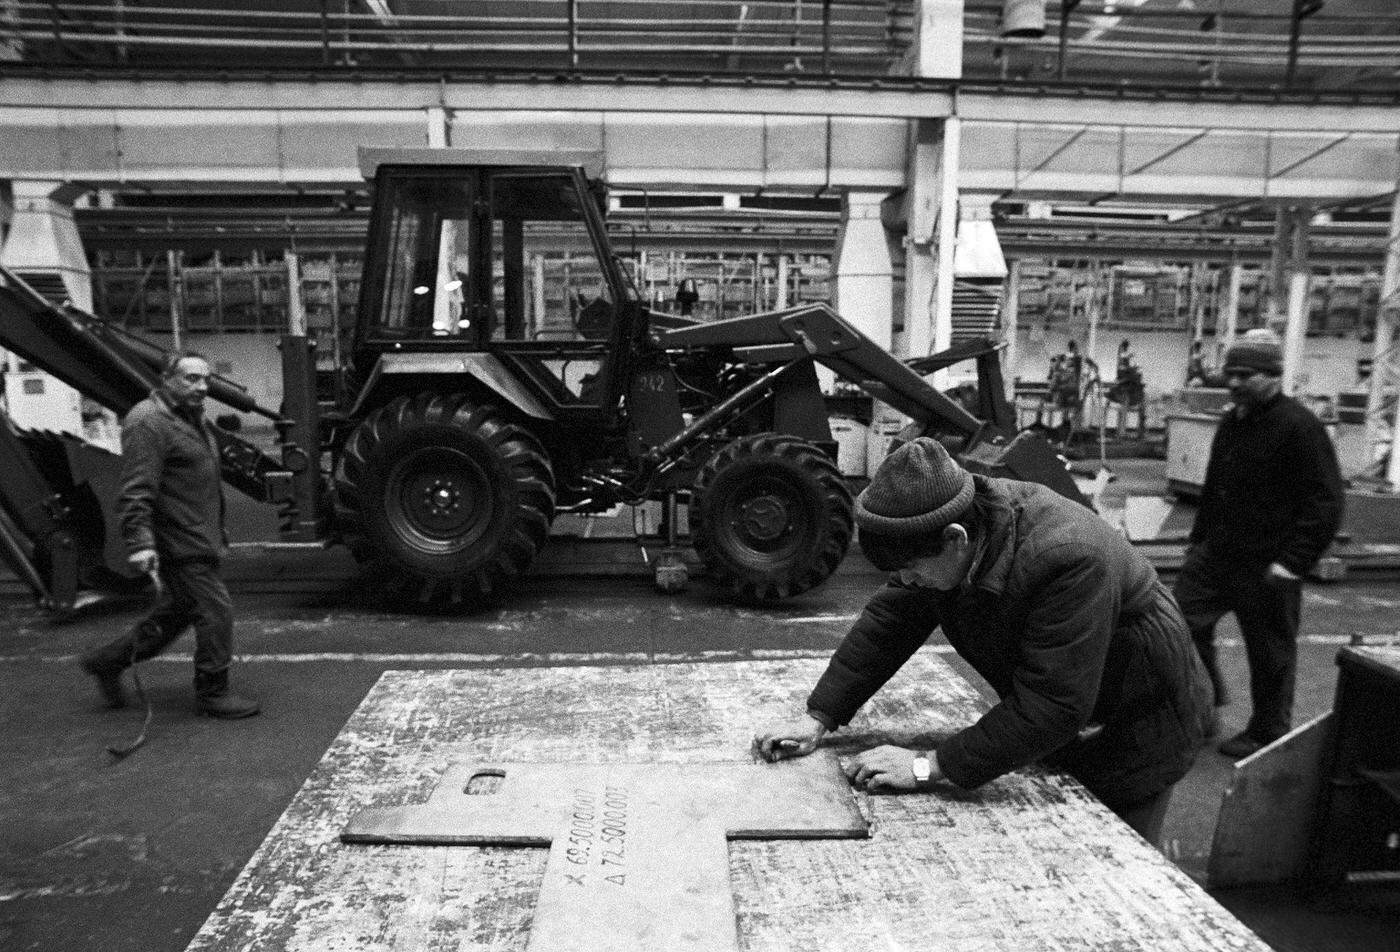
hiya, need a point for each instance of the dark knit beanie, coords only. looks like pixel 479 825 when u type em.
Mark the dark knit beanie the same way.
pixel 917 488
pixel 1265 356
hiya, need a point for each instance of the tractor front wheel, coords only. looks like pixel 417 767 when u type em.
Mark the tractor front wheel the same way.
pixel 770 516
pixel 444 498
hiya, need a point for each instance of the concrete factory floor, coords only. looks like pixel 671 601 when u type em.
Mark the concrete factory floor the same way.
pixel 134 855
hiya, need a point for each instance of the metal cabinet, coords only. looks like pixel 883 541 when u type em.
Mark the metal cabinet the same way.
pixel 1356 839
pixel 1189 436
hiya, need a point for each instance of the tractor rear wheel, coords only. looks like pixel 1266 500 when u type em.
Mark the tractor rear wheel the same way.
pixel 770 516
pixel 444 497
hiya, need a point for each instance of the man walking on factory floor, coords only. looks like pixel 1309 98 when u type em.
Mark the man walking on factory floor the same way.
pixel 1085 648
pixel 172 520
pixel 1271 502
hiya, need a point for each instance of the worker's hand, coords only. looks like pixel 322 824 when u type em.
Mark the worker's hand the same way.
pixel 1280 576
pixel 887 769
pixel 144 561
pixel 794 738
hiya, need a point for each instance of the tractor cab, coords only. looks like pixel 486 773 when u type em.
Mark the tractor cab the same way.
pixel 501 254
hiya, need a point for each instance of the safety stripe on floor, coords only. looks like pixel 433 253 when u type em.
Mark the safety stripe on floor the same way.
pixel 566 657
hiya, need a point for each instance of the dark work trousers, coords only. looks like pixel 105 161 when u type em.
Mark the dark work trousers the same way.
pixel 1211 585
pixel 194 596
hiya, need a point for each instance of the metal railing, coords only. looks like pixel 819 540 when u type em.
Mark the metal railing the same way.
pixel 1217 43
pixel 855 36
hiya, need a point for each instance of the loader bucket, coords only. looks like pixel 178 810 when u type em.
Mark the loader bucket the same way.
pixel 1030 458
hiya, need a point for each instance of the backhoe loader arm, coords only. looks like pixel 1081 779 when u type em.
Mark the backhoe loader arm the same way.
pixel 816 330
pixel 117 370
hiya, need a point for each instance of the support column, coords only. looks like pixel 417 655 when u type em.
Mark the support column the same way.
pixel 1228 321
pixel 1287 313
pixel 43 247
pixel 44 238
pixel 1385 363
pixel 10 50
pixel 936 50
pixel 947 237
pixel 1299 276
pixel 1010 319
pixel 439 128
pixel 931 242
pixel 864 273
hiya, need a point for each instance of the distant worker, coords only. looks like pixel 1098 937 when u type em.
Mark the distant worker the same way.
pixel 1069 625
pixel 1271 503
pixel 172 521
pixel 687 296
pixel 1128 390
pixel 594 320
pixel 1065 377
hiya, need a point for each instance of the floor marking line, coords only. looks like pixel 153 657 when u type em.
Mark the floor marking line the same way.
pixel 457 657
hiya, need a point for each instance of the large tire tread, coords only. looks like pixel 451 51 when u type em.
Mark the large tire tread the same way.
pixel 825 537
pixel 522 499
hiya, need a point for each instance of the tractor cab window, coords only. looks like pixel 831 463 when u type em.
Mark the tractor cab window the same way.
pixel 426 285
pixel 547 281
pixel 548 285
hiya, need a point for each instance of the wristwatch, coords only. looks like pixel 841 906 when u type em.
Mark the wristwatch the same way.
pixel 923 771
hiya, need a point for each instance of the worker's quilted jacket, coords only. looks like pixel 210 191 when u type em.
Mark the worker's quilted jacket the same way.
pixel 171 498
pixel 1070 626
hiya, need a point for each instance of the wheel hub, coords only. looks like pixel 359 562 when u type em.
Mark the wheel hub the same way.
pixel 764 518
pixel 438 499
pixel 441 498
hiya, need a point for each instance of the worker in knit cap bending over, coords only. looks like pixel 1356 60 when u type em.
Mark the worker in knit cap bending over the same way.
pixel 1086 649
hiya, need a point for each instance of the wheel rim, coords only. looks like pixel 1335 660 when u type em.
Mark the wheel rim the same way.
pixel 439 500
pixel 766 521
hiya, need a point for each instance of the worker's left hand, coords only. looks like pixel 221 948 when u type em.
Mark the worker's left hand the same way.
pixel 883 769
pixel 1278 575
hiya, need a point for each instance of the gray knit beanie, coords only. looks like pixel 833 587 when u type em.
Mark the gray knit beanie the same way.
pixel 1265 356
pixel 917 488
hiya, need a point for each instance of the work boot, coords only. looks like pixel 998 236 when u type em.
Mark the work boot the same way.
pixel 214 699
pixel 228 706
pixel 1240 746
pixel 109 681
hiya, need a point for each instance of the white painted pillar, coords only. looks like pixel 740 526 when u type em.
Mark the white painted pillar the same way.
pixel 1010 319
pixel 44 237
pixel 931 242
pixel 9 15
pixel 947 240
pixel 296 305
pixel 921 231
pixel 43 243
pixel 1384 365
pixel 936 51
pixel 780 300
pixel 864 274
pixel 439 133
pixel 1296 326
pixel 1229 319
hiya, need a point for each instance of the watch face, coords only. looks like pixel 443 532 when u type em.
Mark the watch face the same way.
pixel 922 770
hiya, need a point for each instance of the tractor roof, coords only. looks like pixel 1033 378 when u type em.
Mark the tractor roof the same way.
pixel 590 161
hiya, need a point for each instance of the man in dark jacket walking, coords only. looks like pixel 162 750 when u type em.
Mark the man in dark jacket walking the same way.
pixel 1271 503
pixel 1085 648
pixel 172 518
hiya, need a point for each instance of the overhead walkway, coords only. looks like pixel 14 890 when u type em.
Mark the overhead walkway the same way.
pixel 734 132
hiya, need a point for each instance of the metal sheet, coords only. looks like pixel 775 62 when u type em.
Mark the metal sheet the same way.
pixel 637 851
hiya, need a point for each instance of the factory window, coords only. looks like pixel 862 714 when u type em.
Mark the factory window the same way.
pixel 220 291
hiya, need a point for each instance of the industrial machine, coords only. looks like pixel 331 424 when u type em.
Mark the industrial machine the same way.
pixel 504 369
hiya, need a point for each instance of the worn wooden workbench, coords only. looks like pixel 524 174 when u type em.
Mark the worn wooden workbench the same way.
pixel 1031 861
